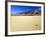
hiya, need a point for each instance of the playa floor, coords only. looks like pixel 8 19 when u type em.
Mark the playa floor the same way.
pixel 25 23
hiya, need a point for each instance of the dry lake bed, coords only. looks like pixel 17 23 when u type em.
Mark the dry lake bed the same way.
pixel 25 23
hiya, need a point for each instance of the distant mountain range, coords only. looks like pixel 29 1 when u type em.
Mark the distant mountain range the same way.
pixel 28 13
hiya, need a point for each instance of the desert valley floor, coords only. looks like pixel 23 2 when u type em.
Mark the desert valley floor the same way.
pixel 25 23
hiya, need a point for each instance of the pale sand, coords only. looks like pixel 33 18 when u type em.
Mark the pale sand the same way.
pixel 25 23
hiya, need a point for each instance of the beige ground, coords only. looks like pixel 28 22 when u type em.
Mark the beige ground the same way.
pixel 25 23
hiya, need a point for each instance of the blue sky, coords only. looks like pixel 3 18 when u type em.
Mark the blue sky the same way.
pixel 20 9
